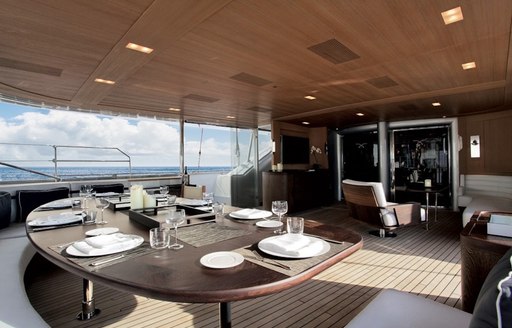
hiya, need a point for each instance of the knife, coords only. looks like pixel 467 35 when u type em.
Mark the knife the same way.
pixel 55 227
pixel 106 261
pixel 326 239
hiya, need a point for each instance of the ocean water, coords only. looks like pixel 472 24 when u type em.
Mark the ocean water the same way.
pixel 76 173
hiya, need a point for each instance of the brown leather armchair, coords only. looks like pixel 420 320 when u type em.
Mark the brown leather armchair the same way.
pixel 367 202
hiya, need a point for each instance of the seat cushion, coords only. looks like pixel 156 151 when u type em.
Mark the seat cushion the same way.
pixel 485 313
pixel 396 309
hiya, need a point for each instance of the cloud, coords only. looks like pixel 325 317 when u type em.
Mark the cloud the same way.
pixel 148 143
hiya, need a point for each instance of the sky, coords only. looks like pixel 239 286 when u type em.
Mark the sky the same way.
pixel 147 142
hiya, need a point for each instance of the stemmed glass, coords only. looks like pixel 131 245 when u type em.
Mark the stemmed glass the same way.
pixel 208 197
pixel 164 190
pixel 102 204
pixel 279 208
pixel 175 218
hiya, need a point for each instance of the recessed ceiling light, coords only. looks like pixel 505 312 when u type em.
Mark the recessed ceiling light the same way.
pixel 436 104
pixel 310 97
pixel 305 123
pixel 230 117
pixel 359 114
pixel 138 47
pixel 174 109
pixel 452 15
pixel 104 81
pixel 469 65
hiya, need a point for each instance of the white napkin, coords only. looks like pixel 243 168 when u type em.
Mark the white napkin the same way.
pixel 292 245
pixel 104 244
pixel 249 213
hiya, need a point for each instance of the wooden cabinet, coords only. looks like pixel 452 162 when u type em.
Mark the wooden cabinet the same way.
pixel 302 189
pixel 479 252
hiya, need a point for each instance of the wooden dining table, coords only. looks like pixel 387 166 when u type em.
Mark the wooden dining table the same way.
pixel 178 275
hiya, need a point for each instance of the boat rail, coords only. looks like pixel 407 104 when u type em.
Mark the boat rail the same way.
pixel 55 159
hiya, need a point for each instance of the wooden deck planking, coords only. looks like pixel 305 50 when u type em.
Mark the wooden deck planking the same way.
pixel 422 262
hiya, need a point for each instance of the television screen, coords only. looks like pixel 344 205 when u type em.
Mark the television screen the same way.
pixel 294 150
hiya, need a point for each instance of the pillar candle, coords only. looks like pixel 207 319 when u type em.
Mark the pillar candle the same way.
pixel 136 196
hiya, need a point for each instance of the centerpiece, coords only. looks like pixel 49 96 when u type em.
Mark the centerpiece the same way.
pixel 314 151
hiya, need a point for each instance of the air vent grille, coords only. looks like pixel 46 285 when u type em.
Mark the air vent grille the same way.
pixel 382 82
pixel 334 51
pixel 195 97
pixel 251 79
pixel 29 67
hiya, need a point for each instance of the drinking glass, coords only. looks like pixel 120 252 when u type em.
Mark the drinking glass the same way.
pixel 279 208
pixel 295 225
pixel 175 218
pixel 159 238
pixel 208 197
pixel 102 204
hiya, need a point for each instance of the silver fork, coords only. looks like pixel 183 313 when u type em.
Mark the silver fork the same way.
pixel 270 261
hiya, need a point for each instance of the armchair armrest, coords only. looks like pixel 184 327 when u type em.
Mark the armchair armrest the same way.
pixel 409 213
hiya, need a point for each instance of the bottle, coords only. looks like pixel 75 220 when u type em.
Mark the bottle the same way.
pixel 186 177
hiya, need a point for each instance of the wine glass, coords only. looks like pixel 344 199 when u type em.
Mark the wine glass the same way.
pixel 208 197
pixel 279 208
pixel 175 218
pixel 164 190
pixel 102 204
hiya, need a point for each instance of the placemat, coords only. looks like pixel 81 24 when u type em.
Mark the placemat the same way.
pixel 208 233
pixel 85 262
pixel 296 265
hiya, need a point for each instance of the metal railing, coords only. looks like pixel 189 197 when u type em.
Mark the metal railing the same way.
pixel 55 160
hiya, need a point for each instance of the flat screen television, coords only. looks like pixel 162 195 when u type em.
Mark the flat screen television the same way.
pixel 294 150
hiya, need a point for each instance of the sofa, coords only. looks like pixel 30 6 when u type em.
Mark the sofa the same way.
pixel 484 193
pixel 392 308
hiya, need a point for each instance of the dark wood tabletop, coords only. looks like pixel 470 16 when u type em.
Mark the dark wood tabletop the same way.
pixel 178 275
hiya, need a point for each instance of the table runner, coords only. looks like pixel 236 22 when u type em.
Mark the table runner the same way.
pixel 297 265
pixel 85 262
pixel 208 233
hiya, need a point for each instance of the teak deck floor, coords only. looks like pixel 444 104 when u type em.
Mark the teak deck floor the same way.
pixel 421 262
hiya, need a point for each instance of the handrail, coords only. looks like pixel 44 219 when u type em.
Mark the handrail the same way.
pixel 55 160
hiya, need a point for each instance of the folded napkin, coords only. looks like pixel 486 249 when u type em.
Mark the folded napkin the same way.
pixel 250 213
pixel 104 244
pixel 292 245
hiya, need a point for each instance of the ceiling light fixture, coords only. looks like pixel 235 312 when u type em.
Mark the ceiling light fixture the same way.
pixel 359 114
pixel 174 109
pixel 452 15
pixel 469 65
pixel 436 104
pixel 104 81
pixel 310 97
pixel 230 117
pixel 306 123
pixel 139 48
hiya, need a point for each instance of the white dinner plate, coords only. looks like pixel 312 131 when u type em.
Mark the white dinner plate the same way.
pixel 102 231
pixel 324 249
pixel 250 214
pixel 60 203
pixel 137 241
pixel 192 202
pixel 221 260
pixel 55 219
pixel 269 224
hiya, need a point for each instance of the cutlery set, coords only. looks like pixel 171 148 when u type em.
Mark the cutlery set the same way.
pixel 270 261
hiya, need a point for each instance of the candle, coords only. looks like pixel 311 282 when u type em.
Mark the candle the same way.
pixel 149 200
pixel 136 196
pixel 428 183
pixel 279 167
pixel 274 167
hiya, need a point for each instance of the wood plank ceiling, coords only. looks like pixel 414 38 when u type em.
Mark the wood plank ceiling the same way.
pixel 248 62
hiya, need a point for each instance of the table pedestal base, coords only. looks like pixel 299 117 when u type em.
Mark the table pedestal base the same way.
pixel 225 314
pixel 88 308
